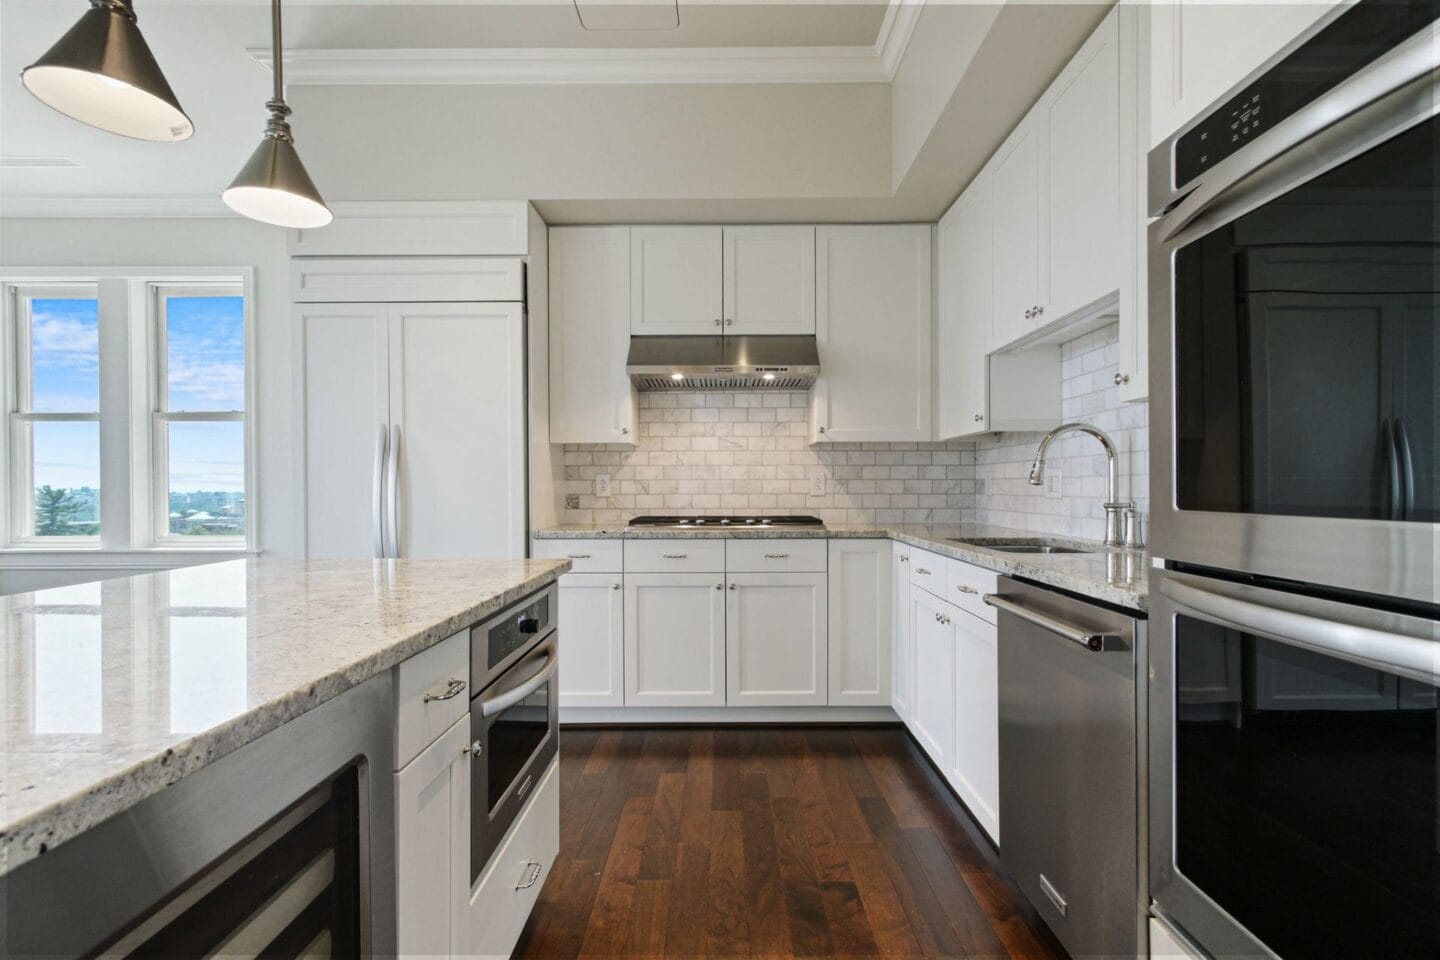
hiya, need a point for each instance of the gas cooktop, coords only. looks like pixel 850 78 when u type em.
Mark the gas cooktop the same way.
pixel 790 522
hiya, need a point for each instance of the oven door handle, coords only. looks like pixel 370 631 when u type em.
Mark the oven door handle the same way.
pixel 490 706
pixel 1413 656
pixel 1385 98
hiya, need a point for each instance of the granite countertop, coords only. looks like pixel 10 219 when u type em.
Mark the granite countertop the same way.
pixel 114 690
pixel 1109 574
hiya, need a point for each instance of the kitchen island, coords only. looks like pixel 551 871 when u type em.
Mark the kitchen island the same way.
pixel 124 693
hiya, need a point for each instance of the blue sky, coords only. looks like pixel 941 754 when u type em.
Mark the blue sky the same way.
pixel 205 361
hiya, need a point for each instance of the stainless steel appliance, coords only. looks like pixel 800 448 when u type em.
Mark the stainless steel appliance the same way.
pixel 514 716
pixel 1295 320
pixel 1070 713
pixel 1295 354
pixel 786 522
pixel 723 363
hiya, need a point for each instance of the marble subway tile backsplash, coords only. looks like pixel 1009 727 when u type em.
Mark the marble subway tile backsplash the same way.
pixel 1003 494
pixel 746 452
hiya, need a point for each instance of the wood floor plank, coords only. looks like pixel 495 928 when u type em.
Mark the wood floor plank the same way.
pixel 770 843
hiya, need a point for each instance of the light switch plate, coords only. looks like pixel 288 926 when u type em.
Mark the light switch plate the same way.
pixel 817 484
pixel 602 485
pixel 1053 484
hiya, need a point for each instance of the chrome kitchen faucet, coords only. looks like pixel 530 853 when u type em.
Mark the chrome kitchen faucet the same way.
pixel 1114 507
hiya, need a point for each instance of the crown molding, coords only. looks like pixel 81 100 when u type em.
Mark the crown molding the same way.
pixel 140 208
pixel 875 63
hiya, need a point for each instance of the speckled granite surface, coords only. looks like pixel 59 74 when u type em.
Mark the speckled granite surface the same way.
pixel 1110 575
pixel 114 690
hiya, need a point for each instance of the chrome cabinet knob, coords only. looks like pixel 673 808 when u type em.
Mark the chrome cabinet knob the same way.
pixel 1121 378
pixel 615 587
pixel 1039 310
pixel 733 587
pixel 1029 313
pixel 821 430
pixel 719 586
pixel 729 322
pixel 625 431
pixel 476 748
pixel 979 418
pixel 717 321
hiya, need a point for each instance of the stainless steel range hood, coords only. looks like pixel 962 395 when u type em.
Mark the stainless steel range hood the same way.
pixel 723 363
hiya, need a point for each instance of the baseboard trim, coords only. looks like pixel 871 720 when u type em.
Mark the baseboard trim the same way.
pixel 724 716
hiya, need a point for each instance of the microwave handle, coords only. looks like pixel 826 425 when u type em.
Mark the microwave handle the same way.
pixel 1364 103
pixel 1416 657
pixel 490 706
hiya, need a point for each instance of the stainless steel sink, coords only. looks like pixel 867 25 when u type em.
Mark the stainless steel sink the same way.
pixel 1020 546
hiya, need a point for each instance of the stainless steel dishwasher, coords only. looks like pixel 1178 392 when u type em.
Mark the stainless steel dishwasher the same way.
pixel 1070 761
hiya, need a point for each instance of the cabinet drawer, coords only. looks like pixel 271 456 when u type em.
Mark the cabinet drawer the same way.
pixel 775 556
pixel 585 556
pixel 927 571
pixel 441 674
pixel 501 902
pixel 406 279
pixel 966 586
pixel 674 556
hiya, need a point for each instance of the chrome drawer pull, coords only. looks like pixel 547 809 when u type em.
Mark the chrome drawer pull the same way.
pixel 453 689
pixel 532 874
pixel 964 589
pixel 776 556
pixel 577 556
pixel 922 570
pixel 1053 894
pixel 674 556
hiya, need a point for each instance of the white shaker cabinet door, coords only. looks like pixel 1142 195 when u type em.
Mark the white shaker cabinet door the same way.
pixel 675 281
pixel 902 671
pixel 975 770
pixel 860 622
pixel 342 352
pixel 675 640
pixel 592 610
pixel 932 715
pixel 965 288
pixel 769 280
pixel 591 399
pixel 457 409
pixel 775 626
pixel 432 846
pixel 1019 230
pixel 872 322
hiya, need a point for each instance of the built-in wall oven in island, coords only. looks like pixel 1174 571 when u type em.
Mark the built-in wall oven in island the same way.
pixel 514 716
pixel 1294 653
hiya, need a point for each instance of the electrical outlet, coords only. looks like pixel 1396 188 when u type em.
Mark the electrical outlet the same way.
pixel 1053 485
pixel 817 484
pixel 602 485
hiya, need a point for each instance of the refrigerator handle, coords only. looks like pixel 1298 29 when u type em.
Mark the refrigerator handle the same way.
pixel 1391 488
pixel 378 504
pixel 1406 470
pixel 392 486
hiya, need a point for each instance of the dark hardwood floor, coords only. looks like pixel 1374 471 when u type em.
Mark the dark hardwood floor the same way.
pixel 769 842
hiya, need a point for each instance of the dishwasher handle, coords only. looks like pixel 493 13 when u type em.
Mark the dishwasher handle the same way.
pixel 1089 639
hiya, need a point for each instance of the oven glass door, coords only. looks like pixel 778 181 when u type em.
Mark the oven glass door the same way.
pixel 516 734
pixel 1306 344
pixel 1304 789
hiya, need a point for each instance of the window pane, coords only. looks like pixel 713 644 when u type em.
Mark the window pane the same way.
pixel 67 673
pixel 205 353
pixel 66 464
pixel 207 478
pixel 65 356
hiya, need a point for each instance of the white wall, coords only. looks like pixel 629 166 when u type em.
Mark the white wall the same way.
pixel 232 242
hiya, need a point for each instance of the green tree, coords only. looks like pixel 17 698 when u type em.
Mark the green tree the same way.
pixel 55 507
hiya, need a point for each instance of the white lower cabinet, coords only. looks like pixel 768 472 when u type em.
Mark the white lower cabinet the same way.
pixel 902 657
pixel 932 714
pixel 432 846
pixel 775 639
pixel 974 769
pixel 592 669
pixel 674 639
pixel 500 902
pixel 860 622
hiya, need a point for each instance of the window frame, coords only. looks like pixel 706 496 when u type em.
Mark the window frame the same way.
pixel 128 398
pixel 160 416
pixel 18 465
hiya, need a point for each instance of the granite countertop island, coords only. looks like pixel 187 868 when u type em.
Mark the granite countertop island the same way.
pixel 116 689
pixel 1109 574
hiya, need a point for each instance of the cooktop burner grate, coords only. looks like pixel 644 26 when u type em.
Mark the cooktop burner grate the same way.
pixel 760 521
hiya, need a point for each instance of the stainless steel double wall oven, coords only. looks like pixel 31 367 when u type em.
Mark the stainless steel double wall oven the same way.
pixel 1295 655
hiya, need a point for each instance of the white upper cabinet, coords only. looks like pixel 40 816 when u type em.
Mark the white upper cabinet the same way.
pixel 872 321
pixel 769 280
pixel 963 313
pixel 591 399
pixel 1018 211
pixel 675 281
pixel 1082 116
pixel 1199 49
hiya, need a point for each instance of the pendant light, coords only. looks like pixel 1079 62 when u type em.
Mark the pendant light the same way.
pixel 102 73
pixel 273 186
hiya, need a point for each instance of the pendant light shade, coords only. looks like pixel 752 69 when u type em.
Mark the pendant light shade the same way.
pixel 102 73
pixel 273 186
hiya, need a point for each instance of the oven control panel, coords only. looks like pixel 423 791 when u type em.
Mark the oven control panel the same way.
pixel 517 628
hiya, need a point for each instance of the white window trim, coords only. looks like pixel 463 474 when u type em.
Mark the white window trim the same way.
pixel 130 539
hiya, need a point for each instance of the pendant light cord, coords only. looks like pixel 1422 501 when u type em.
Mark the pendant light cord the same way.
pixel 277 127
